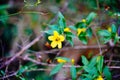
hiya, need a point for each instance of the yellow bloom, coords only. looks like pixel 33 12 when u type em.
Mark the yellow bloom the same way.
pixel 72 61
pixel 99 78
pixel 84 20
pixel 61 61
pixel 109 29
pixel 56 40
pixel 67 30
pixel 80 30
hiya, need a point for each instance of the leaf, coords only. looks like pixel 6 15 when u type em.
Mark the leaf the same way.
pixel 104 33
pixel 3 7
pixel 100 63
pixel 107 73
pixel 89 32
pixel 90 70
pixel 114 28
pixel 83 39
pixel 90 17
pixel 61 21
pixel 73 72
pixel 80 25
pixel 70 40
pixel 60 15
pixel 92 62
pixel 84 60
pixel 56 69
pixel 72 27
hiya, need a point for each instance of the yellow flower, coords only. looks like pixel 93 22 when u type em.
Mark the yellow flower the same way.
pixel 80 30
pixel 72 61
pixel 67 30
pixel 84 20
pixel 61 61
pixel 109 29
pixel 56 40
pixel 99 78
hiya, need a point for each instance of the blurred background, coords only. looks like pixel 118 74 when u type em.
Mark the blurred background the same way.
pixel 21 22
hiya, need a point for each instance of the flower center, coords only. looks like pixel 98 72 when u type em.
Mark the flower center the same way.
pixel 57 39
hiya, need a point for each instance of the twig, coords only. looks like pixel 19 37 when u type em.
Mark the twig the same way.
pixel 73 48
pixel 7 76
pixel 98 43
pixel 65 66
pixel 24 48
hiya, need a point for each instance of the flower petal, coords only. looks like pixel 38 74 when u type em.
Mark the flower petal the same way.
pixel 59 45
pixel 53 44
pixel 62 38
pixel 55 33
pixel 51 38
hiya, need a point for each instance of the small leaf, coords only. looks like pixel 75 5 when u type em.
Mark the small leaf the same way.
pixel 73 72
pixel 90 17
pixel 107 73
pixel 114 28
pixel 83 39
pixel 84 60
pixel 92 62
pixel 89 32
pixel 104 33
pixel 100 63
pixel 56 69
pixel 73 27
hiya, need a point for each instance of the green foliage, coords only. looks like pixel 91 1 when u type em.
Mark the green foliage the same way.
pixel 4 14
pixel 73 72
pixel 90 17
pixel 107 73
pixel 94 68
pixel 110 34
pixel 84 60
pixel 56 69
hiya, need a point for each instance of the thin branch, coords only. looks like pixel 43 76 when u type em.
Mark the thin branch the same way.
pixel 73 48
pixel 24 48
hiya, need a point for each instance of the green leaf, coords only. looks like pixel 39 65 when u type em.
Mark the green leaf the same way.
pixel 90 17
pixel 100 63
pixel 70 40
pixel 56 69
pixel 90 70
pixel 107 73
pixel 73 72
pixel 84 60
pixel 83 39
pixel 92 62
pixel 3 7
pixel 80 25
pixel 73 27
pixel 104 33
pixel 60 15
pixel 114 28
pixel 89 32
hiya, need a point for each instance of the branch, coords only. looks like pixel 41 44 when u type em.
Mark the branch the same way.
pixel 73 48
pixel 24 48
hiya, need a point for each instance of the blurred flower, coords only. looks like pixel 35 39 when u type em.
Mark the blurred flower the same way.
pixel 109 29
pixel 72 61
pixel 99 78
pixel 79 30
pixel 61 60
pixel 56 39
pixel 67 30
pixel 84 20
